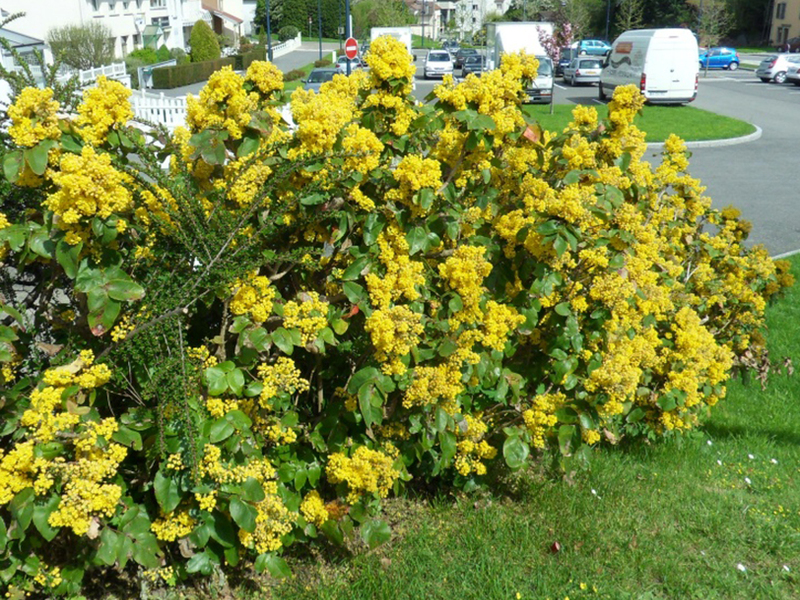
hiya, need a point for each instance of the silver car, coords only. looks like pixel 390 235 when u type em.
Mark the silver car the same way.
pixel 775 66
pixel 317 77
pixel 793 74
pixel 438 63
pixel 583 70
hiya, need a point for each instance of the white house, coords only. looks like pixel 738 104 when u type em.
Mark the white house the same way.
pixel 133 23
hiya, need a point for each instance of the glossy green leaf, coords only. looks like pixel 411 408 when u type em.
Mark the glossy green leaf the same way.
pixel 515 452
pixel 243 514
pixel 375 533
pixel 167 492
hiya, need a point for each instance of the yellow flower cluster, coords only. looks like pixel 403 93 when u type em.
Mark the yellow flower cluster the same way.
pixel 273 521
pixel 247 180
pixel 362 149
pixel 499 321
pixel 34 117
pixel 173 526
pixel 104 107
pixel 464 272
pixel 403 274
pixel 320 119
pixel 414 173
pixel 207 502
pixel 265 77
pixel 253 297
pixel 388 60
pixel 283 377
pixel 210 466
pixel 223 103
pixel 441 383
pixel 88 186
pixel 394 332
pixel 365 472
pixel 313 509
pixel 541 416
pixel 474 449
pixel 309 316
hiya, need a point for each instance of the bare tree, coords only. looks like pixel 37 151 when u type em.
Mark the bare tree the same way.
pixel 715 20
pixel 82 46
pixel 630 14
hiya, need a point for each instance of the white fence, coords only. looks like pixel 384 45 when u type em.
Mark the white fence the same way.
pixel 113 71
pixel 287 46
pixel 146 73
pixel 159 108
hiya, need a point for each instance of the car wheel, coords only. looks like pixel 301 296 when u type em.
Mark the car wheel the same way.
pixel 780 77
pixel 733 66
pixel 601 94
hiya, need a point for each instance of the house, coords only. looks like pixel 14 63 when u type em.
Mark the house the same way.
pixel 133 23
pixel 785 22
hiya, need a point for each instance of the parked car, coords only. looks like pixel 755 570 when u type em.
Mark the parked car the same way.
pixel 793 73
pixel 317 77
pixel 341 64
pixel 774 67
pixel 720 58
pixel 792 45
pixel 473 64
pixel 461 54
pixel 583 70
pixel 540 89
pixel 564 58
pixel 451 46
pixel 593 47
pixel 438 63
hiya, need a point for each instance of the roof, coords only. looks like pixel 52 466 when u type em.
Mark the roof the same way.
pixel 223 15
pixel 19 40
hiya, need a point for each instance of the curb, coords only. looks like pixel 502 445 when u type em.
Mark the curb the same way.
pixel 751 137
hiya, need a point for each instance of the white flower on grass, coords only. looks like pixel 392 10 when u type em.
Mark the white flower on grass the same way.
pixel 773 461
pixel 719 462
pixel 741 567
pixel 709 442
pixel 747 480
pixel 786 568
pixel 750 456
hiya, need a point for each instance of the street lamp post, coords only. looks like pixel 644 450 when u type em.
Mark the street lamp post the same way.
pixel 608 17
pixel 423 23
pixel 347 32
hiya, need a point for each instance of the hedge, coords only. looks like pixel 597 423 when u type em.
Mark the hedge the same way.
pixel 180 75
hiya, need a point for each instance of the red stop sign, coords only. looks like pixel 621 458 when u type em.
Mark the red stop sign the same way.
pixel 351 48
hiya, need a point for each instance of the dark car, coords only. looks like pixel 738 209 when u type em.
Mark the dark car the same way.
pixel 792 45
pixel 317 77
pixel 461 54
pixel 564 58
pixel 473 64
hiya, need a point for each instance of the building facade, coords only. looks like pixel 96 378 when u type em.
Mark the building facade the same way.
pixel 133 23
pixel 785 21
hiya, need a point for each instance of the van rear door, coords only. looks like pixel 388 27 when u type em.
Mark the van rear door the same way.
pixel 671 69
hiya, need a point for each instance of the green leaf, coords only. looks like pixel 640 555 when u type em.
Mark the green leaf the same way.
pixel 243 514
pixel 145 551
pixel 216 380
pixel 221 529
pixel 21 508
pixel 565 438
pixel 107 551
pixel 560 245
pixel 36 157
pixel 67 256
pixel 248 146
pixel 220 430
pixel 128 437
pixel 253 491
pixel 448 444
pixel 375 533
pixel 361 377
pixel 167 492
pixel 455 304
pixel 373 225
pixel 125 290
pixel 276 566
pixel 40 243
pixel 484 122
pixel 417 239
pixel 667 402
pixel 354 292
pixel 354 270
pixel 312 200
pixel 333 532
pixel 516 452
pixel 636 415
pixel 441 420
pixel 283 340
pixel 235 380
pixel 11 165
pixel 41 513
pixel 426 198
pixel 204 562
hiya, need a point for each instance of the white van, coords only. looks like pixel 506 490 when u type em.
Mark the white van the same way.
pixel 661 62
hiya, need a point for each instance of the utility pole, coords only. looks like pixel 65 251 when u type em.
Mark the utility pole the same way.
pixel 608 17
pixel 423 23
pixel 319 26
pixel 269 36
pixel 347 31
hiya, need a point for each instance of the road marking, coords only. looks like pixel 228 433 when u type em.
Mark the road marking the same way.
pixel 559 87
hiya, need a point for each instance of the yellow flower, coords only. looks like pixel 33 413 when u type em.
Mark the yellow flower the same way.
pixel 33 117
pixel 104 107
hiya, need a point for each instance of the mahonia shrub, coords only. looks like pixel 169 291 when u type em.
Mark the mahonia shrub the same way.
pixel 240 336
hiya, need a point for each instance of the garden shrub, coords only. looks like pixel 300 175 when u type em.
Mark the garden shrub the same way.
pixel 208 360
pixel 203 42
pixel 163 53
pixel 188 73
pixel 323 62
pixel 294 75
pixel 287 33
pixel 179 54
pixel 147 56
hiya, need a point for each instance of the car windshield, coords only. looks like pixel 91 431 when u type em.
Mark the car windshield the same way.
pixel 439 57
pixel 589 64
pixel 545 68
pixel 320 76
pixel 473 60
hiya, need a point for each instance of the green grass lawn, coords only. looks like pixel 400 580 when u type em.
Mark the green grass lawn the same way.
pixel 658 122
pixel 712 515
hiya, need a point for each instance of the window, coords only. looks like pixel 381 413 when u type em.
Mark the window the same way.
pixel 158 3
pixel 123 43
pixel 96 4
pixel 137 40
pixel 780 10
